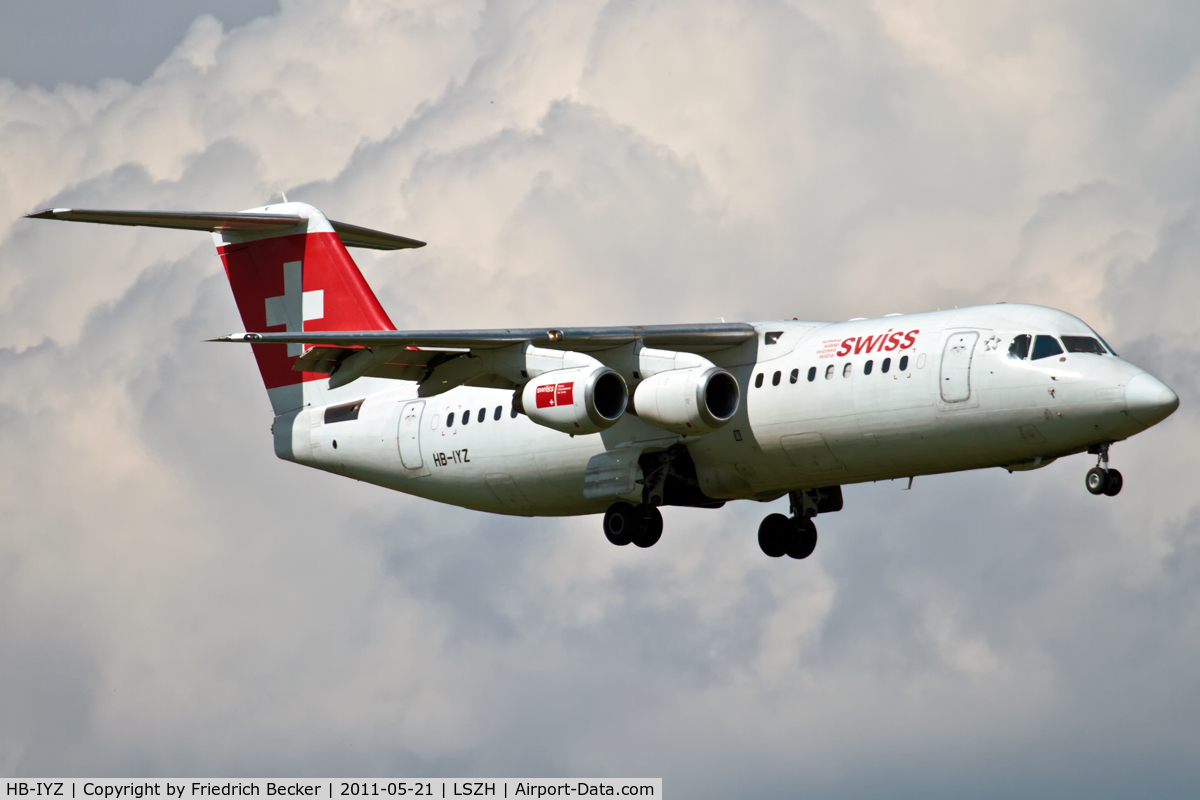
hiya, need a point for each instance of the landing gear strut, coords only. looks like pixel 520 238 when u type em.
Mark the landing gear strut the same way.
pixel 1100 479
pixel 624 523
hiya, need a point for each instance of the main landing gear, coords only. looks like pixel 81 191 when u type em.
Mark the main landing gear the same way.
pixel 1100 479
pixel 796 536
pixel 668 479
pixel 641 524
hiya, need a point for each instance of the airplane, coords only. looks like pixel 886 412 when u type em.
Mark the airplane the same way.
pixel 624 420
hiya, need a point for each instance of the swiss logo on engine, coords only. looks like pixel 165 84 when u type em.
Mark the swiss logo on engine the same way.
pixel 555 394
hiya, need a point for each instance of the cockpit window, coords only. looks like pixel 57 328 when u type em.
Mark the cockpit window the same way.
pixel 1044 347
pixel 1019 349
pixel 1083 344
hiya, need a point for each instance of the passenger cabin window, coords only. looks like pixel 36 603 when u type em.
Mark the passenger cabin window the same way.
pixel 466 417
pixel 812 374
pixel 1083 344
pixel 775 378
pixel 771 337
pixel 903 363
pixel 482 415
pixel 846 370
pixel 450 420
pixel 829 372
pixel 1044 347
pixel 1019 349
pixel 886 365
pixel 795 376
pixel 758 381
pixel 513 413
pixel 499 411
pixel 867 367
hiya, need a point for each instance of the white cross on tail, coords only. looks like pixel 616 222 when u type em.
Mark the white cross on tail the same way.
pixel 296 306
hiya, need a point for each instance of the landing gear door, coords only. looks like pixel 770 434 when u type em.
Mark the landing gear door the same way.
pixel 955 379
pixel 613 474
pixel 409 436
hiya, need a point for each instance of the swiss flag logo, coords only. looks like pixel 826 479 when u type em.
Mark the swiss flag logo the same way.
pixel 295 306
pixel 297 283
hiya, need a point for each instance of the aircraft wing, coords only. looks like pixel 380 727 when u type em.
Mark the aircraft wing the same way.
pixel 700 338
pixel 450 359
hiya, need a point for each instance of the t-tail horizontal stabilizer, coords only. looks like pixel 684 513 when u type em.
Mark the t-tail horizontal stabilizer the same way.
pixel 290 273
pixel 247 221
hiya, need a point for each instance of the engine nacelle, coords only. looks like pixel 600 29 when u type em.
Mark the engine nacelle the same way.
pixel 579 400
pixel 688 401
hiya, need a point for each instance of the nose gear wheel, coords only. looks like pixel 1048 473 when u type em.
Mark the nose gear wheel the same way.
pixel 1100 479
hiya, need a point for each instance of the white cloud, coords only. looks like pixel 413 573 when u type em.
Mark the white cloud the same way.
pixel 177 601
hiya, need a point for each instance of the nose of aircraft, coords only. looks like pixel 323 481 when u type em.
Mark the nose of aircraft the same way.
pixel 1149 400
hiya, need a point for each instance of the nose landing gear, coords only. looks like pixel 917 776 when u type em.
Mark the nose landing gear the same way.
pixel 1100 479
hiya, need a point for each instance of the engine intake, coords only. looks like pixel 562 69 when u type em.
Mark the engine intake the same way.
pixel 688 401
pixel 579 400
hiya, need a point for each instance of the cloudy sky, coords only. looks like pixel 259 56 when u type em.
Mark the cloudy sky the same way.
pixel 175 601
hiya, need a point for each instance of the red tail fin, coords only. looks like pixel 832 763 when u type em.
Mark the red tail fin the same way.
pixel 296 282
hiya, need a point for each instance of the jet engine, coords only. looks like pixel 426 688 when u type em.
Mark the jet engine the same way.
pixel 579 400
pixel 688 401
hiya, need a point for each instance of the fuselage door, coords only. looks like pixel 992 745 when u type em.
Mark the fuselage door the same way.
pixel 409 434
pixel 956 366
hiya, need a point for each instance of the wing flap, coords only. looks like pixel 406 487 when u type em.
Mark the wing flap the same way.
pixel 406 364
pixel 324 360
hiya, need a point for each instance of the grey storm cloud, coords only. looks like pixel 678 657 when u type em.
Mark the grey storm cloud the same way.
pixel 175 601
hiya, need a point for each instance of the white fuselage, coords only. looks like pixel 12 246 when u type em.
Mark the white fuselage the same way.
pixel 949 398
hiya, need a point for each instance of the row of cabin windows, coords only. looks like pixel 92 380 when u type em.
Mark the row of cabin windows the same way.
pixel 847 370
pixel 1046 346
pixel 481 416
pixel 1043 347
